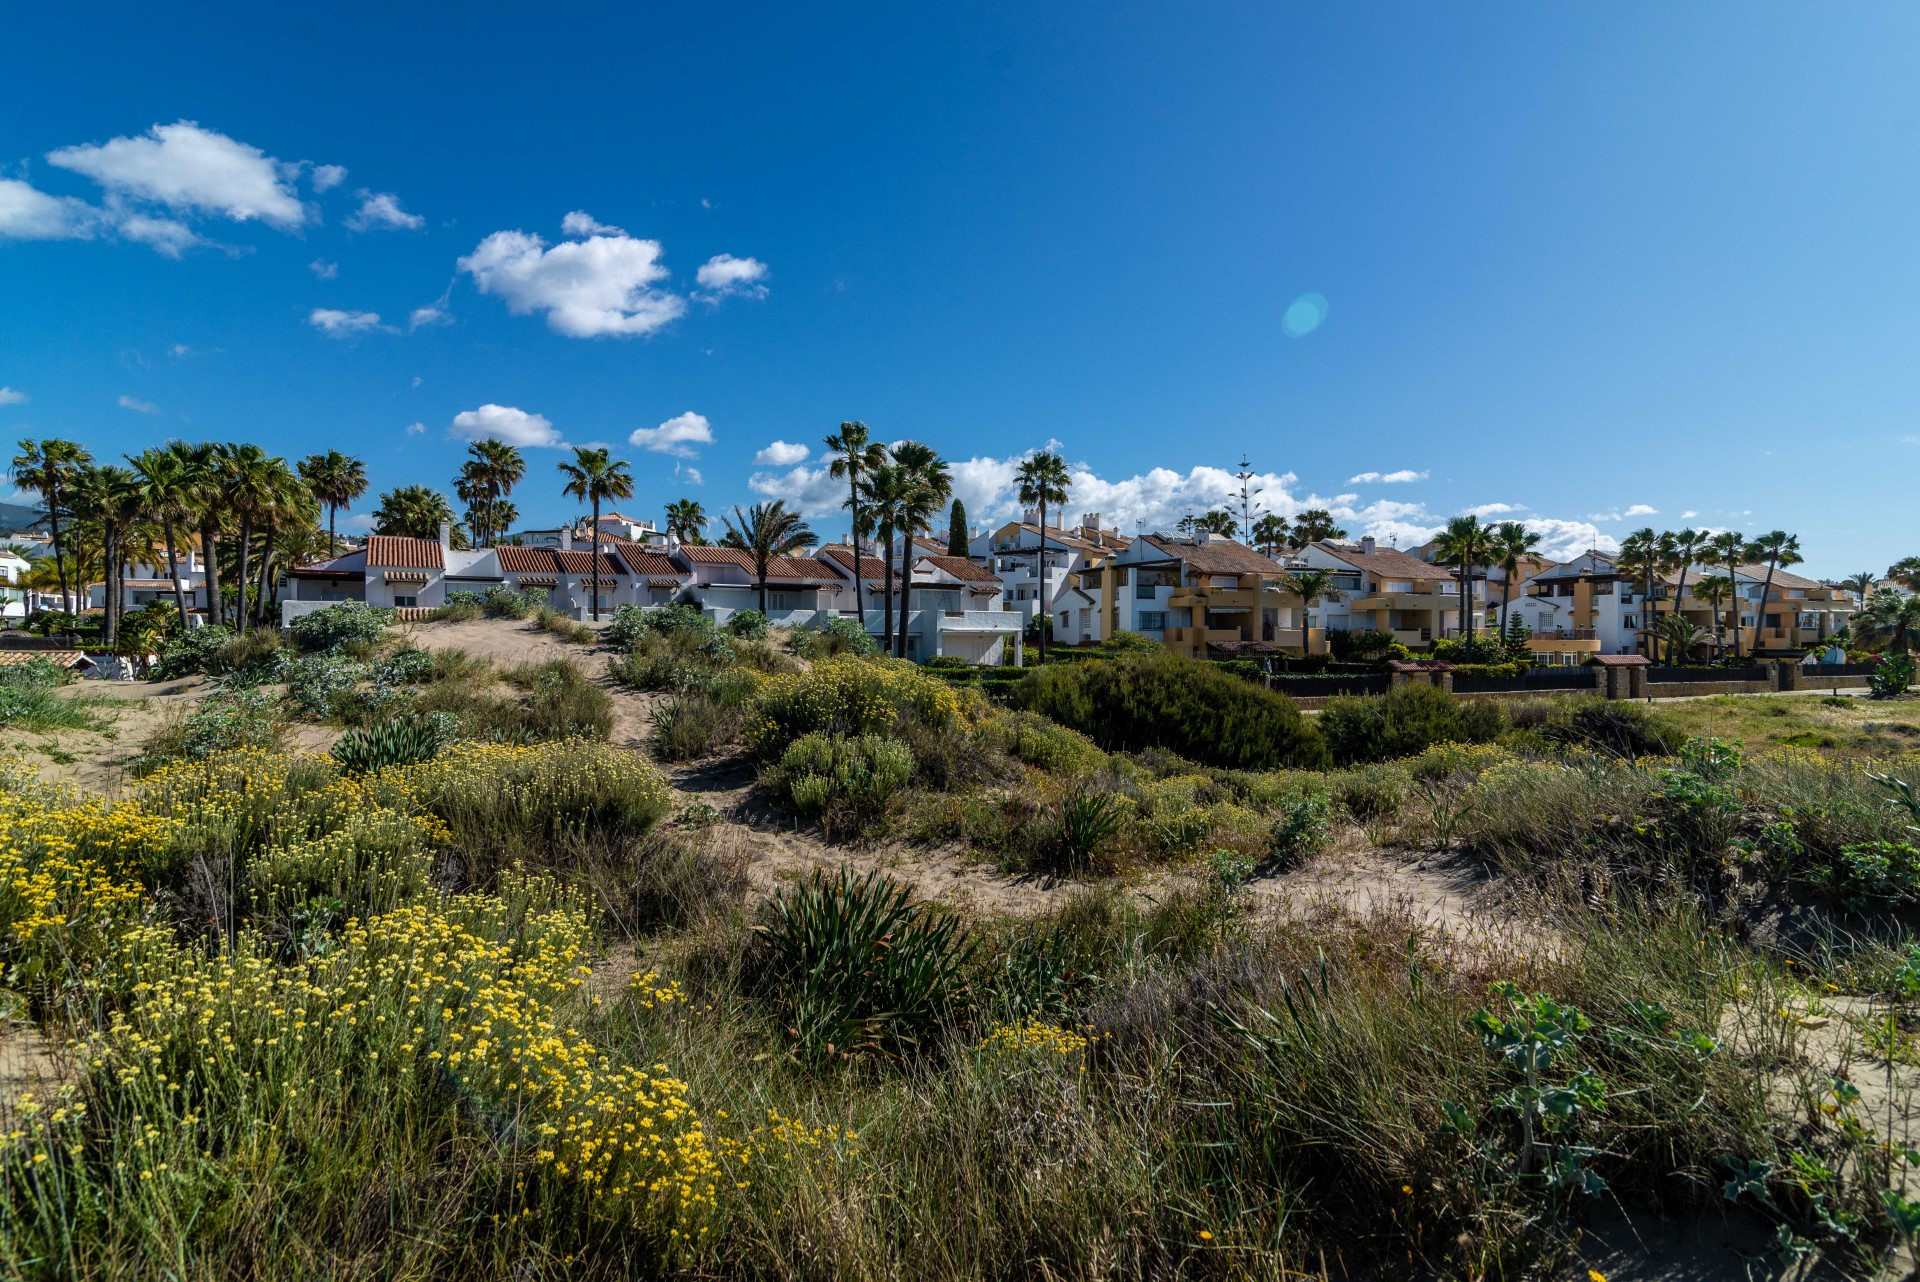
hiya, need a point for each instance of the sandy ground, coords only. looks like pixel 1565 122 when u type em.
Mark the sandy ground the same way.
pixel 99 760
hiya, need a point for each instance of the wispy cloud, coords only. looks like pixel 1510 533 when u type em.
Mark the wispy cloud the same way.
pixel 138 406
pixel 1402 477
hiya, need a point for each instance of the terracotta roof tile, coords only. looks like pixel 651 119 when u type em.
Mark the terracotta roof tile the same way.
pixel 1386 563
pixel 710 555
pixel 408 554
pixel 582 562
pixel 871 567
pixel 523 560
pixel 1216 555
pixel 961 568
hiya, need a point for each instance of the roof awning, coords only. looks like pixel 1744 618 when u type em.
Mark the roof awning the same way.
pixel 405 576
pixel 536 580
pixel 663 583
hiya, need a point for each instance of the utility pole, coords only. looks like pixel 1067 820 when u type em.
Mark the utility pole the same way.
pixel 1244 475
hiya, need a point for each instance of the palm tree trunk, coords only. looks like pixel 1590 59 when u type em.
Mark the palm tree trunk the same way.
pixel 240 608
pixel 760 574
pixel 106 572
pixel 593 551
pixel 210 566
pixel 333 511
pixel 173 572
pixel 1506 600
pixel 906 595
pixel 1466 579
pixel 1760 619
pixel 1044 615
pixel 266 577
pixel 59 556
pixel 886 599
pixel 859 590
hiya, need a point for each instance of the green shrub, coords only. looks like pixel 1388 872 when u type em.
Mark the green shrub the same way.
pixel 1299 830
pixel 633 622
pixel 335 626
pixel 220 723
pixel 820 773
pixel 847 697
pixel 1619 727
pixel 562 703
pixel 393 743
pixel 857 967
pixel 1045 744
pixel 840 636
pixel 1366 646
pixel 1368 793
pixel 1406 720
pixel 750 625
pixel 199 650
pixel 373 863
pixel 318 683
pixel 1890 677
pixel 503 602
pixel 1872 875
pixel 252 659
pixel 29 698
pixel 406 666
pixel 1187 706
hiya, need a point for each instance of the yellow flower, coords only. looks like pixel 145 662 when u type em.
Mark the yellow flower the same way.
pixel 1206 1235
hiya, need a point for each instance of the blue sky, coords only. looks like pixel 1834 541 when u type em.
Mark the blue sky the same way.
pixel 1565 261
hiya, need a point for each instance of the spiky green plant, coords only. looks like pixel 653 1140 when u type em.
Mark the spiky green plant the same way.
pixel 858 967
pixel 392 743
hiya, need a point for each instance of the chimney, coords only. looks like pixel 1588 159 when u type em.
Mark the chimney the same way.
pixel 1202 537
pixel 566 538
pixel 673 540
pixel 1367 543
pixel 1090 521
pixel 446 535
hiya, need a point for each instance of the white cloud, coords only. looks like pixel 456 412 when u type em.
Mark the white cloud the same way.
pixel 588 288
pixel 1688 515
pixel 1485 510
pixel 323 269
pixel 416 429
pixel 184 166
pixel 1401 477
pixel 416 380
pixel 327 177
pixel 27 213
pixel 1641 509
pixel 582 224
pixel 724 275
pixel 8 396
pixel 431 314
pixel 781 454
pixel 811 490
pixel 380 210
pixel 692 476
pixel 335 323
pixel 504 423
pixel 138 406
pixel 168 236
pixel 677 436
pixel 361 521
pixel 1562 540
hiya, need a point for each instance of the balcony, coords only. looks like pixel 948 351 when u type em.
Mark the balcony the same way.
pixel 1410 601
pixel 1006 622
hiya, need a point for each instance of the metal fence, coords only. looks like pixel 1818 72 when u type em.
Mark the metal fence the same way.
pixel 24 641
pixel 1668 676
pixel 1542 679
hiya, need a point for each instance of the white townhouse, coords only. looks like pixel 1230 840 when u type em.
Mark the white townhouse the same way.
pixel 723 581
pixel 954 607
pixel 1013 552
pixel 13 576
pixel 146 583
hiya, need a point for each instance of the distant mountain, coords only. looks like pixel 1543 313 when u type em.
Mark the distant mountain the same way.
pixel 18 518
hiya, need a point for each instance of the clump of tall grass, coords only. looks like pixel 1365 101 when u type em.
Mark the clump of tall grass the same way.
pixel 30 699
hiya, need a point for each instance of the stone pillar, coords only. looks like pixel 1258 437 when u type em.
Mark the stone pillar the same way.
pixel 1636 681
pixel 1602 681
pixel 1776 677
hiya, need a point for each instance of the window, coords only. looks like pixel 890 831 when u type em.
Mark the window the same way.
pixel 333 596
pixel 1086 616
pixel 1153 620
pixel 1629 620
pixel 405 602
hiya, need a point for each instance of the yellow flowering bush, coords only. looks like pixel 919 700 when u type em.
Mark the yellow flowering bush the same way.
pixel 1033 1037
pixel 847 696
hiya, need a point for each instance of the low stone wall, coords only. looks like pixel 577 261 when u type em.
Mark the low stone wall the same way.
pixel 1695 689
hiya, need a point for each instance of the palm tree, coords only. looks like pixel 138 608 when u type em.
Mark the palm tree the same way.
pixel 687 521
pixel 1218 521
pixel 165 481
pixel 108 499
pixel 289 505
pixel 412 512
pixel 1270 532
pixel 928 487
pixel 1685 547
pixel 882 490
pixel 1312 587
pixel 1776 548
pixel 1713 589
pixel 250 485
pixel 766 531
pixel 1680 635
pixel 1314 525
pixel 1463 544
pixel 1728 550
pixel 854 459
pixel 48 468
pixel 335 480
pixel 493 468
pixel 595 476
pixel 1043 480
pixel 1906 572
pixel 1861 584
pixel 1511 546
pixel 1890 623
pixel 204 479
pixel 1646 555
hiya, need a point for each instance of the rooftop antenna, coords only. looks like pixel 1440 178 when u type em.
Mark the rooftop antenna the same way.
pixel 1244 475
